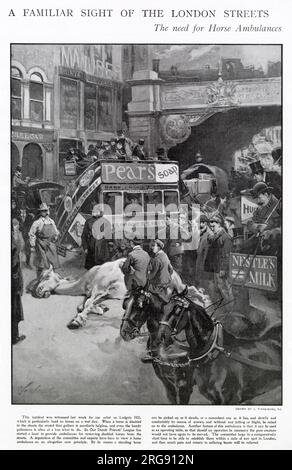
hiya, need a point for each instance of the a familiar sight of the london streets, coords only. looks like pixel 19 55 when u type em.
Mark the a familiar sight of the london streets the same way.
pixel 146 224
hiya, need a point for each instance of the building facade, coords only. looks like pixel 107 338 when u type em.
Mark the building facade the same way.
pixel 64 96
pixel 32 92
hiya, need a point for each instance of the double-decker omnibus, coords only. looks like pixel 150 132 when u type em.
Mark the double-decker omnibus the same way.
pixel 140 194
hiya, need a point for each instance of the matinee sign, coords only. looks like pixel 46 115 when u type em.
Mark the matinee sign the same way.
pixel 259 271
pixel 120 172
pixel 247 209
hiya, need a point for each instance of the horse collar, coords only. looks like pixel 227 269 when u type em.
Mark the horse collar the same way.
pixel 215 343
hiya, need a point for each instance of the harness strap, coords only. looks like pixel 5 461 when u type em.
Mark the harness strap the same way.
pixel 213 345
pixel 250 362
pixel 165 324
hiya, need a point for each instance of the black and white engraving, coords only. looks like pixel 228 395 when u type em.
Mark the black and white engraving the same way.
pixel 146 216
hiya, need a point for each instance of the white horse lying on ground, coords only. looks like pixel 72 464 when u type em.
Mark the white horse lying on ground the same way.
pixel 99 283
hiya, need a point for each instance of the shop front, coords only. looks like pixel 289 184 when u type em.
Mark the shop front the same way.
pixel 34 152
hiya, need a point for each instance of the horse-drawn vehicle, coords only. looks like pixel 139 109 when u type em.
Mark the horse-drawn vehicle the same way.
pixel 35 193
pixel 139 194
pixel 201 181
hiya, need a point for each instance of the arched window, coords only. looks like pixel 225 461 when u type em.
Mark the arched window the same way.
pixel 16 94
pixel 32 162
pixel 36 95
pixel 15 160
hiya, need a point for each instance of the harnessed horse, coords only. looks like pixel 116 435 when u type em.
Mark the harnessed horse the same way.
pixel 144 307
pixel 226 369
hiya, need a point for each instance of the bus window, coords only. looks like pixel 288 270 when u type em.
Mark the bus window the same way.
pixel 153 199
pixel 171 201
pixel 132 203
pixel 114 202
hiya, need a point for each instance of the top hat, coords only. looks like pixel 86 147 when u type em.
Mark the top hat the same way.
pixel 44 207
pixel 259 188
pixel 256 167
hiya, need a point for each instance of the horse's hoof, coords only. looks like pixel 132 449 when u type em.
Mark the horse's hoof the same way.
pixel 74 325
pixel 147 358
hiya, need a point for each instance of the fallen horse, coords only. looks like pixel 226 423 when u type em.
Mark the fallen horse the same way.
pixel 99 283
pixel 96 285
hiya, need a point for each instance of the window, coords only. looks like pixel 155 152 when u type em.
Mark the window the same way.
pixel 32 162
pixel 69 103
pixel 153 202
pixel 36 94
pixel 16 107
pixel 112 203
pixel 171 201
pixel 90 107
pixel 105 109
pixel 133 204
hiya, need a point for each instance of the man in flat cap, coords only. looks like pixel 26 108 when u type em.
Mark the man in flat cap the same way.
pixel 43 235
pixel 217 263
pixel 159 276
pixel 159 272
pixel 135 267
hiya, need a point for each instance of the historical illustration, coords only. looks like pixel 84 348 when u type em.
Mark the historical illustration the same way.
pixel 146 218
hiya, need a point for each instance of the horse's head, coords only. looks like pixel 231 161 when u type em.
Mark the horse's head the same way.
pixel 136 314
pixel 185 313
pixel 48 282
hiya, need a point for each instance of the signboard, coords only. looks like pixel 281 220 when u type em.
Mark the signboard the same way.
pixel 119 172
pixel 76 228
pixel 259 272
pixel 247 208
pixel 70 168
pixel 166 173
pixel 32 136
pixel 146 189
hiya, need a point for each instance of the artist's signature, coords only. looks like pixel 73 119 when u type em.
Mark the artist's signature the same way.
pixel 31 387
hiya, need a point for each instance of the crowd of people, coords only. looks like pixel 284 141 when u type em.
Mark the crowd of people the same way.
pixel 203 262
pixel 120 148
